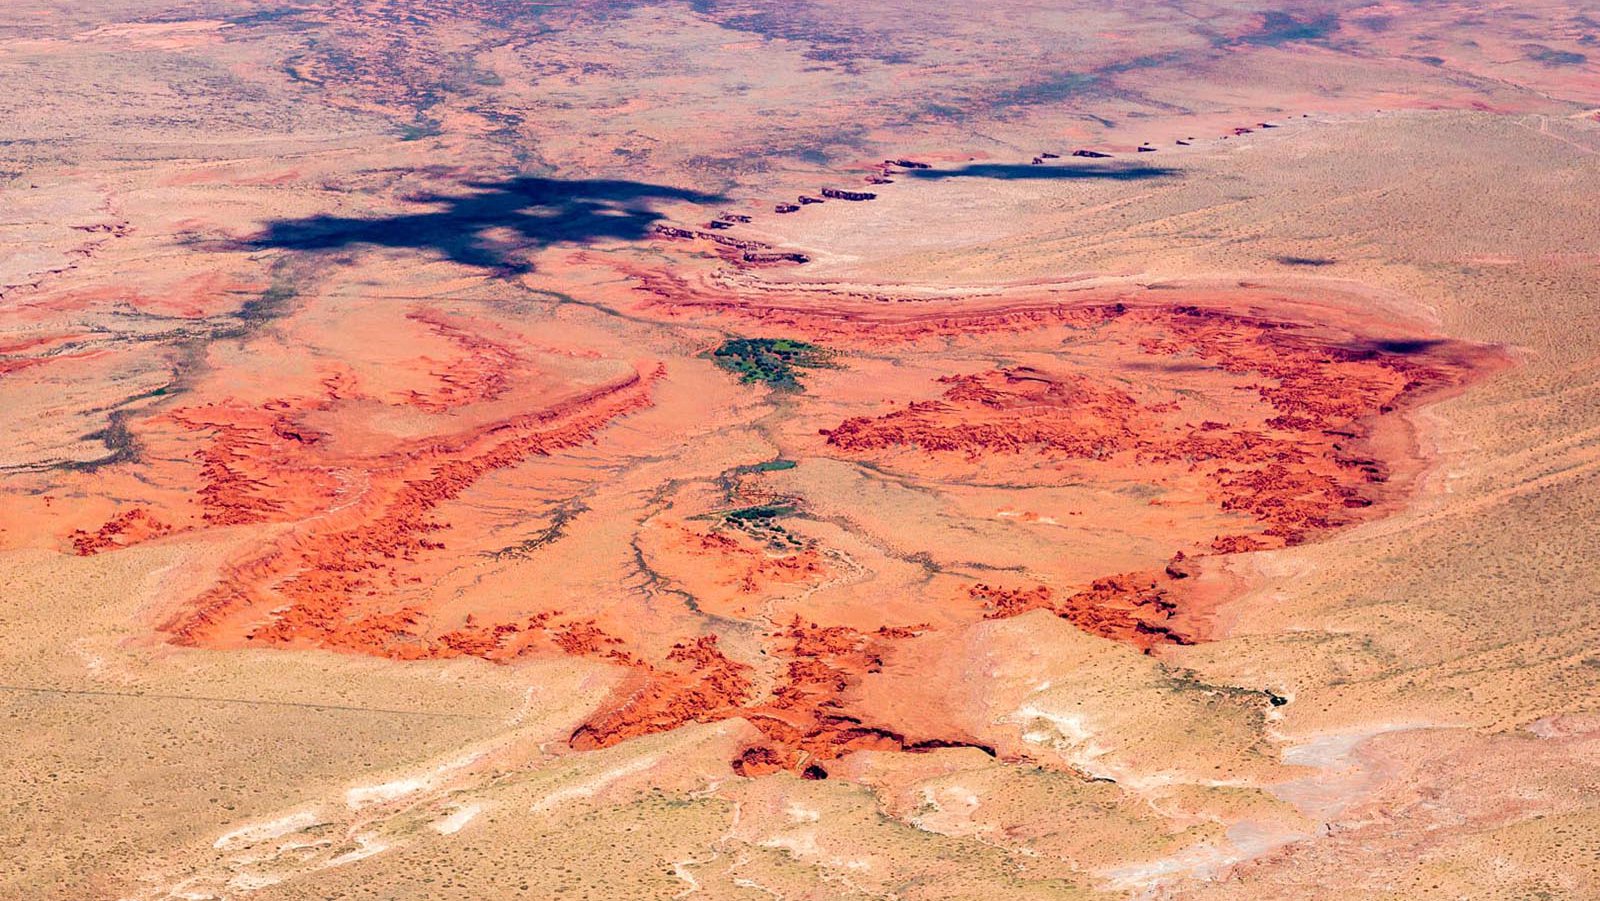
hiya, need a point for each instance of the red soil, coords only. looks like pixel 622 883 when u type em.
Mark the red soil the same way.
pixel 730 574
pixel 696 683
pixel 318 573
pixel 38 343
pixel 805 719
pixel 130 527
pixel 480 373
pixel 251 468
pixel 1007 411
pixel 1267 422
pixel 18 364
pixel 1132 607
pixel 858 320
pixel 1295 470
pixel 808 717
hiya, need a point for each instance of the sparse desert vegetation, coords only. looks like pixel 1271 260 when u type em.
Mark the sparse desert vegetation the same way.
pixel 469 448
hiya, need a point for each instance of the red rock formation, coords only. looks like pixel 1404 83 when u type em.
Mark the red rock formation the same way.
pixel 1293 476
pixel 129 527
pixel 482 373
pixel 673 231
pixel 315 574
pixel 1132 607
pixel 1236 544
pixel 1283 452
pixel 1004 603
pixel 248 472
pixel 808 718
pixel 1179 567
pixel 697 684
pixel 758 760
pixel 1006 410
pixel 805 721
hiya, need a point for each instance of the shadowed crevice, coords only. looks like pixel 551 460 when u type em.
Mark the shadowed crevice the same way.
pixel 1025 172
pixel 1377 347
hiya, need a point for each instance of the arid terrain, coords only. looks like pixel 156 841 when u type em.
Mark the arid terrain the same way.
pixel 806 450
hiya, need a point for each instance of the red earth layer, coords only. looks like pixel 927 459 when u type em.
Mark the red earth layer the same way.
pixel 249 470
pixel 848 319
pixel 805 721
pixel 749 570
pixel 1297 473
pixel 1007 411
pixel 130 527
pixel 481 373
pixel 357 549
pixel 1293 470
pixel 1133 607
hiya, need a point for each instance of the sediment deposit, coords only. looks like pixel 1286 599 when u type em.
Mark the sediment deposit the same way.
pixel 477 449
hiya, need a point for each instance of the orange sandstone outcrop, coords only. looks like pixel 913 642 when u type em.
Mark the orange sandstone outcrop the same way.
pixel 1131 607
pixel 1266 423
pixel 697 683
pixel 316 574
pixel 249 470
pixel 805 720
pixel 130 527
pixel 479 374
pixel 1295 466
pixel 1006 411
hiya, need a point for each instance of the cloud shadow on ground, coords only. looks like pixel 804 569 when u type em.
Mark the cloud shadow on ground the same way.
pixel 494 224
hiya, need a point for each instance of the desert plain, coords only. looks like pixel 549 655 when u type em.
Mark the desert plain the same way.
pixel 801 450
